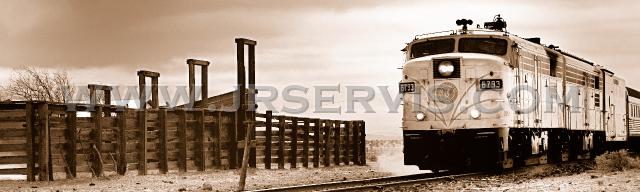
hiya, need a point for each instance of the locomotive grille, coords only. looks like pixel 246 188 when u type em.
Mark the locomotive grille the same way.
pixel 456 68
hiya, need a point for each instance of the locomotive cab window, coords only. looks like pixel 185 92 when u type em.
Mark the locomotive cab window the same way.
pixel 492 46
pixel 432 47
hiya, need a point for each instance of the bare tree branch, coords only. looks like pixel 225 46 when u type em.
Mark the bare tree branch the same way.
pixel 29 83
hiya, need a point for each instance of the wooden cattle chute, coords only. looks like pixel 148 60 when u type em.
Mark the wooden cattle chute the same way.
pixel 177 140
pixel 42 140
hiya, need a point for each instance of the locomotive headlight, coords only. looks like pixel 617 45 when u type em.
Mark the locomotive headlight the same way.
pixel 420 116
pixel 474 113
pixel 445 68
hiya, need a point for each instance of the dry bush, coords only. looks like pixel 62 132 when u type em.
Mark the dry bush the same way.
pixel 29 83
pixel 616 161
pixel 377 147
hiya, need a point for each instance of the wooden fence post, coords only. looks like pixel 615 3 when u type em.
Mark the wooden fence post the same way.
pixel 71 149
pixel 182 140
pixel 200 150
pixel 294 143
pixel 337 142
pixel 327 143
pixel 281 140
pixel 162 133
pixel 363 144
pixel 31 162
pixel 96 163
pixel 142 151
pixel 267 149
pixel 305 145
pixel 356 143
pixel 316 143
pixel 122 142
pixel 233 141
pixel 44 144
pixel 218 143
pixel 347 144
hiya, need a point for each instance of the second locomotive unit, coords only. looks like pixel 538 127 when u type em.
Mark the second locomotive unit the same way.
pixel 485 98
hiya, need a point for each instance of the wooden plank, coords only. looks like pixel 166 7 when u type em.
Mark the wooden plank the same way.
pixel 233 141
pixel 31 161
pixel 217 132
pixel 122 143
pixel 162 151
pixel 43 141
pixel 201 157
pixel 142 151
pixel 182 140
pixel 337 142
pixel 13 159
pixel 305 143
pixel 362 144
pixel 327 142
pixel 70 148
pixel 294 142
pixel 267 156
pixel 281 129
pixel 356 143
pixel 96 163
pixel 316 143
pixel 252 127
pixel 347 144
pixel 13 171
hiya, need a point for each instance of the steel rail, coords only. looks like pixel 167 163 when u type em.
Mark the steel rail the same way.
pixel 370 184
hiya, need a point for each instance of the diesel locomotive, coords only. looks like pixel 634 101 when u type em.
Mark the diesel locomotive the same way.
pixel 486 98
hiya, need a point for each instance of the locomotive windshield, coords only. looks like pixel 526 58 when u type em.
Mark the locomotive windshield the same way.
pixel 432 47
pixel 483 45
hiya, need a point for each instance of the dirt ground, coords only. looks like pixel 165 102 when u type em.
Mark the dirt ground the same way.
pixel 566 177
pixel 224 180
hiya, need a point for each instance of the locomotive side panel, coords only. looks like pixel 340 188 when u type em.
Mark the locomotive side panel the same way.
pixel 615 108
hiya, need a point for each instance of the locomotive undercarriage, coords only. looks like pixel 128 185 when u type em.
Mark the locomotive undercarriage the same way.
pixel 477 149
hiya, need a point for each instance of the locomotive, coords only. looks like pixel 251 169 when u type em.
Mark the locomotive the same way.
pixel 486 98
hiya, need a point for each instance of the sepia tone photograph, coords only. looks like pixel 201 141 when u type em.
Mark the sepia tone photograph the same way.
pixel 319 95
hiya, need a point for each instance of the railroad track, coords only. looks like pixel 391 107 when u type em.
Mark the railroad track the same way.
pixel 374 183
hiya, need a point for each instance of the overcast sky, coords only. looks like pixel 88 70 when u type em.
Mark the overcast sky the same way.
pixel 308 43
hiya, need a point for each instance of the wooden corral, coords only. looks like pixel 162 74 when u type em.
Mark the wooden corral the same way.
pixel 46 140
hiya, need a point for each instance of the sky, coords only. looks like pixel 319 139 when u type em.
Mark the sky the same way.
pixel 307 43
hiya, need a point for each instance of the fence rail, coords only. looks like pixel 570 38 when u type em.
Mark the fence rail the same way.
pixel 45 139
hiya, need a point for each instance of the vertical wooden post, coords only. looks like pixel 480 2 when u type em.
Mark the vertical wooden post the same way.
pixel 43 139
pixel 142 151
pixel 154 93
pixel 71 150
pixel 327 143
pixel 182 140
pixel 201 158
pixel 143 93
pixel 31 162
pixel 294 143
pixel 356 143
pixel 347 145
pixel 218 143
pixel 267 149
pixel 122 142
pixel 233 141
pixel 192 86
pixel 96 163
pixel 316 143
pixel 337 143
pixel 251 103
pixel 162 150
pixel 363 144
pixel 281 140
pixel 305 145
pixel 204 78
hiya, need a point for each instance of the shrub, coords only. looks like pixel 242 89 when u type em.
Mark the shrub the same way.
pixel 616 161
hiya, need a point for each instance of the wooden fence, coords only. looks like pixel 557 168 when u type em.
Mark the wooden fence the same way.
pixel 42 140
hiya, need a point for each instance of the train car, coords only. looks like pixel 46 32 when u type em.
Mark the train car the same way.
pixel 485 98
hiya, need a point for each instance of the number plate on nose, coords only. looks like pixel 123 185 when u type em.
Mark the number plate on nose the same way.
pixel 407 87
pixel 491 84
